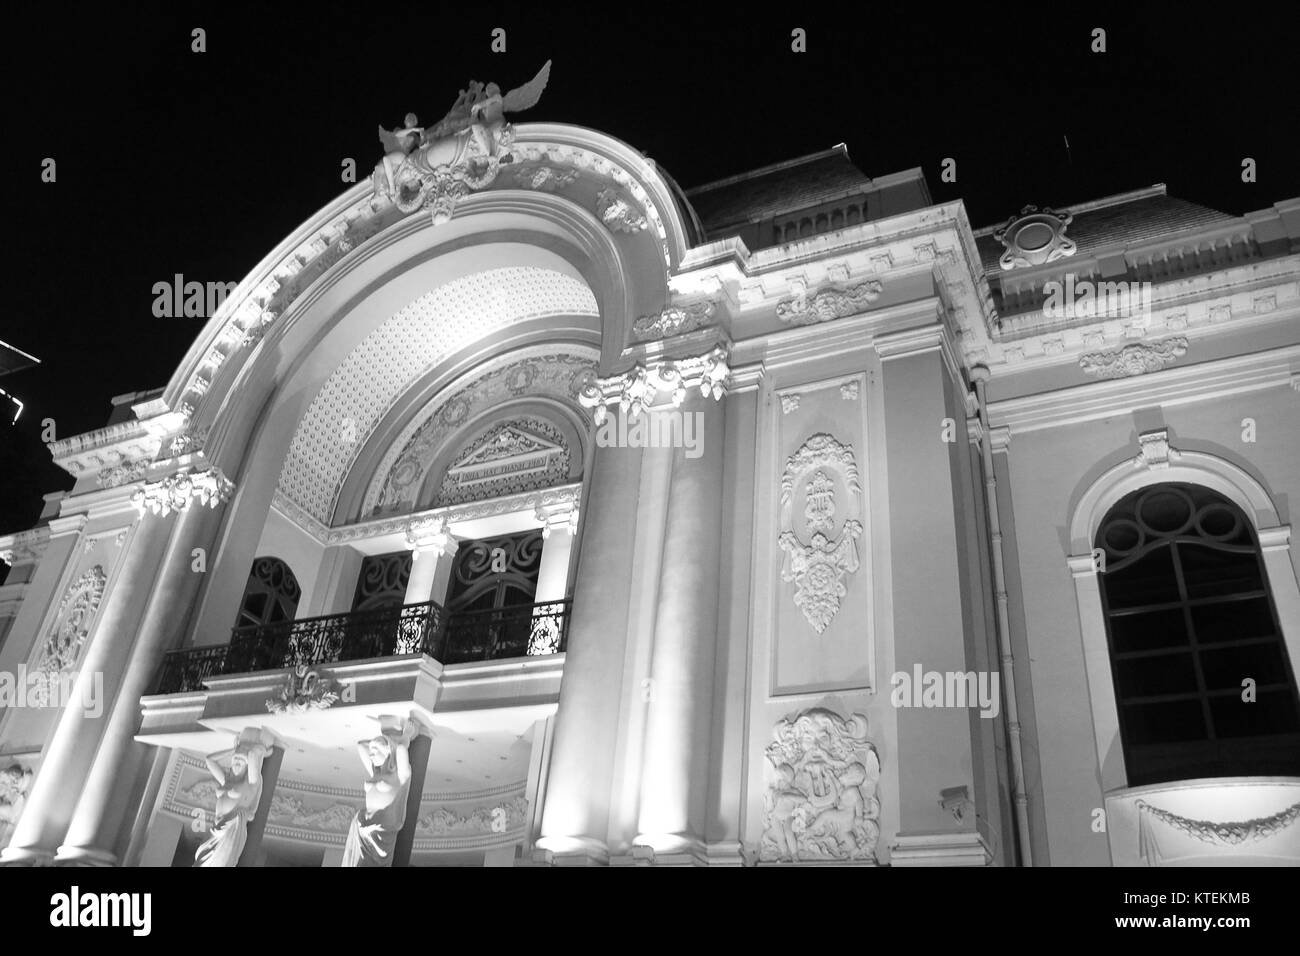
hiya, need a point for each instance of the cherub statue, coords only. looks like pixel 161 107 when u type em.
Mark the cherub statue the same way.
pixel 239 791
pixel 481 109
pixel 437 165
pixel 387 760
pixel 397 146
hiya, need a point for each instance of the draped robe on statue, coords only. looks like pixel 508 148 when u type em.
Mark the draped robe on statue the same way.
pixel 372 836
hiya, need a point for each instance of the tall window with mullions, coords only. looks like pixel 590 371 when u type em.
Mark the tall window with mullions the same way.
pixel 1194 636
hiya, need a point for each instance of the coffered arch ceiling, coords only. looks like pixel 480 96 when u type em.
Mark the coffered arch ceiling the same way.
pixel 423 334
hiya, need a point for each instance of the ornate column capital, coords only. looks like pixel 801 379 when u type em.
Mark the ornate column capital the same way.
pixel 641 386
pixel 176 492
pixel 562 516
pixel 431 534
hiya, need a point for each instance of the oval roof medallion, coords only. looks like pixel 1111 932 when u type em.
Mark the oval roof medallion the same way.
pixel 1035 237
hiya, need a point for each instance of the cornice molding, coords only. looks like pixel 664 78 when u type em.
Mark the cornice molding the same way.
pixel 1172 386
pixel 418 523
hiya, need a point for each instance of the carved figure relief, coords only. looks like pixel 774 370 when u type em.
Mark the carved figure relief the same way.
pixel 818 560
pixel 822 801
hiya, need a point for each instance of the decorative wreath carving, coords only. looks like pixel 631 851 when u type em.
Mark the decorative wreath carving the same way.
pixel 819 560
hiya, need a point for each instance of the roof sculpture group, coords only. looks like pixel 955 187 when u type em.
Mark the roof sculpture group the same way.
pixel 435 167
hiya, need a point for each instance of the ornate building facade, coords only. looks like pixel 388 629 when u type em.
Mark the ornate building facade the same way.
pixel 787 519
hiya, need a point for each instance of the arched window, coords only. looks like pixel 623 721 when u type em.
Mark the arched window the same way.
pixel 1192 630
pixel 382 581
pixel 271 594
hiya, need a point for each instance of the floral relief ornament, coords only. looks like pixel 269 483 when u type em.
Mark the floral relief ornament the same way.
pixel 1137 359
pixel 819 566
pixel 303 691
pixel 830 304
pixel 72 624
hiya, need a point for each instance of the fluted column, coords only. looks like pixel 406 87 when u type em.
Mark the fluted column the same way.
pixel 674 769
pixel 128 653
pixel 77 733
pixel 575 814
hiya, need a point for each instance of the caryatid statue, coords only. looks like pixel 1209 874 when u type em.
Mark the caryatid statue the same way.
pixel 239 791
pixel 387 760
pixel 434 167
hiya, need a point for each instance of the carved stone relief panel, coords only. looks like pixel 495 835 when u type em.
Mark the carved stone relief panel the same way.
pixel 818 545
pixel 821 551
pixel 72 623
pixel 822 797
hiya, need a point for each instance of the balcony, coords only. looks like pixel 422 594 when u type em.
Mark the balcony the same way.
pixel 526 630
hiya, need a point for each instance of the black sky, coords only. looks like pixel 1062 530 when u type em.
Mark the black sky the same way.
pixel 171 161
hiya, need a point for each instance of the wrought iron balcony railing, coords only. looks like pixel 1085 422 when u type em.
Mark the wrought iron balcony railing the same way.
pixel 518 631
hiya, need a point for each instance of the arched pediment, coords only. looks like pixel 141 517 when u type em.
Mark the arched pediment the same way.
pixel 566 186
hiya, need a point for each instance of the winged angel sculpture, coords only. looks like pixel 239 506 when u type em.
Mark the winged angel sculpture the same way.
pixel 437 166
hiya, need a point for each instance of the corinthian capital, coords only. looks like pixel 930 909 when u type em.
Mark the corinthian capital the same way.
pixel 640 387
pixel 177 492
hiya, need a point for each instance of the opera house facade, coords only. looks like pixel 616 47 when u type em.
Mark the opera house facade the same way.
pixel 523 508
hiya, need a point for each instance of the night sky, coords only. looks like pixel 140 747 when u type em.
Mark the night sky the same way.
pixel 199 163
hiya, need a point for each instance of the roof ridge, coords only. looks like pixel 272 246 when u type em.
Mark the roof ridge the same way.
pixel 838 148
pixel 1118 199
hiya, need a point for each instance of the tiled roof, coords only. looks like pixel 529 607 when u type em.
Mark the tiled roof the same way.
pixel 778 189
pixel 1130 220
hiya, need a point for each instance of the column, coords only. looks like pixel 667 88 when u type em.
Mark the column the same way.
pixel 434 550
pixel 419 755
pixel 576 791
pixel 253 854
pixel 558 527
pixel 160 845
pixel 72 745
pixel 674 772
pixel 500 856
pixel 333 858
pixel 147 811
pixel 128 651
pixel 433 553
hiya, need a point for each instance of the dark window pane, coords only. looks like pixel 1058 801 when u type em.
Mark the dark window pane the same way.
pixel 1232 620
pixel 1209 572
pixel 1148 630
pixel 1164 722
pixel 1273 712
pixel 1148 580
pixel 1149 676
pixel 1229 666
